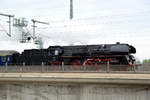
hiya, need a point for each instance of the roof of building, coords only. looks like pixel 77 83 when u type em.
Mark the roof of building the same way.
pixel 7 52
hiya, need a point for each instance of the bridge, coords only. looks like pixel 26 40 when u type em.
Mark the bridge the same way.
pixel 74 85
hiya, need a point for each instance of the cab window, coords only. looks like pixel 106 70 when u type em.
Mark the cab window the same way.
pixel 3 59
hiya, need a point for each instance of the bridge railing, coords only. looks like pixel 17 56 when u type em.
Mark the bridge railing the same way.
pixel 107 68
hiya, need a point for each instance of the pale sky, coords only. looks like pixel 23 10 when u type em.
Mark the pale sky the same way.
pixel 94 22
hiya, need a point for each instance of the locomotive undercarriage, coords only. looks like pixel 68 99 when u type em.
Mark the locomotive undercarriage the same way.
pixel 97 60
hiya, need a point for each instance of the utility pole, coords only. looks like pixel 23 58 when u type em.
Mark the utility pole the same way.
pixel 37 41
pixel 9 16
pixel 71 9
pixel 21 23
pixel 35 21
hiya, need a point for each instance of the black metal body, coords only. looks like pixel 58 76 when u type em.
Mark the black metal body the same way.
pixel 78 55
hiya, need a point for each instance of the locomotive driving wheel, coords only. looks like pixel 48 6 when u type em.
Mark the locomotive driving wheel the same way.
pixel 76 62
pixel 90 62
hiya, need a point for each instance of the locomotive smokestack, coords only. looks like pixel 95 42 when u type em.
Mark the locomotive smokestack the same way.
pixel 117 42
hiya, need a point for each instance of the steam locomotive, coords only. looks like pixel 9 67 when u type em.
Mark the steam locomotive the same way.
pixel 115 54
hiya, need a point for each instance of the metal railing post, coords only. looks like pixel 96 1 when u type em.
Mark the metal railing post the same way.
pixel 108 67
pixel 23 63
pixel 6 65
pixel 84 67
pixel 42 66
pixel 63 69
pixel 23 66
pixel 134 69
